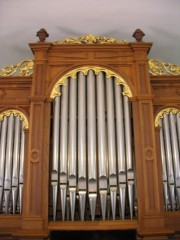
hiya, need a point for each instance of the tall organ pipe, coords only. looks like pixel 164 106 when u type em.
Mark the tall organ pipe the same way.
pixel 2 156
pixel 8 167
pixel 91 115
pixel 72 144
pixel 129 159
pixel 102 142
pixel 111 144
pixel 169 160
pixel 64 147
pixel 120 149
pixel 164 172
pixel 82 143
pixel 178 126
pixel 15 170
pixel 175 151
pixel 21 167
pixel 178 133
pixel 55 160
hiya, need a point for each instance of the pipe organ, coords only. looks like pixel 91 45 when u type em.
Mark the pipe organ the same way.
pixel 92 148
pixel 90 142
pixel 12 161
pixel 170 156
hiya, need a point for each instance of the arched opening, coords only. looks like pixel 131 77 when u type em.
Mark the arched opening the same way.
pixel 12 152
pixel 169 122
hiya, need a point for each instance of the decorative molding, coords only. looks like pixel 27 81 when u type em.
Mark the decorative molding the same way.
pixel 24 68
pixel 84 70
pixel 158 68
pixel 165 111
pixel 15 113
pixel 90 39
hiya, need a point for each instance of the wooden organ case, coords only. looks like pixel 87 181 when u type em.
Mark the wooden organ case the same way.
pixel 95 191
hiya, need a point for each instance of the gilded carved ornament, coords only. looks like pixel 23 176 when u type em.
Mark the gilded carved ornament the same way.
pixel 24 68
pixel 15 113
pixel 84 70
pixel 167 111
pixel 90 39
pixel 157 67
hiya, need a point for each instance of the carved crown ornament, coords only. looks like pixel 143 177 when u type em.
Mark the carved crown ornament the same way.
pixel 90 39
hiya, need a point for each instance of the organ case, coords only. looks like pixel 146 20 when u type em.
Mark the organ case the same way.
pixel 92 152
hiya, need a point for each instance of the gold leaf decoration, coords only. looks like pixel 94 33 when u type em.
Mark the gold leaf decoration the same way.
pixel 157 67
pixel 89 39
pixel 15 113
pixel 167 111
pixel 24 68
pixel 84 70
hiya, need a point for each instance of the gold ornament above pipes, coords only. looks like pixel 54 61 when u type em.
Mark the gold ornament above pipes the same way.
pixel 90 39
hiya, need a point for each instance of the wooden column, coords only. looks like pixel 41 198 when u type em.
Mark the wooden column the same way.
pixel 34 212
pixel 150 202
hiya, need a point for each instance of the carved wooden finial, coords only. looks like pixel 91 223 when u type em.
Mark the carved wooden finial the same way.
pixel 42 34
pixel 138 35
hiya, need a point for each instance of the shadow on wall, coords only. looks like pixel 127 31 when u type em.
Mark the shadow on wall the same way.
pixel 94 235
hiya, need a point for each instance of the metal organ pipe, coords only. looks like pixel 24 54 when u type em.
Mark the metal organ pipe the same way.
pixel 175 151
pixel 111 144
pixel 2 157
pixel 8 166
pixel 120 149
pixel 15 170
pixel 102 144
pixel 64 147
pixel 91 120
pixel 164 172
pixel 21 167
pixel 178 127
pixel 129 161
pixel 82 178
pixel 72 145
pixel 55 158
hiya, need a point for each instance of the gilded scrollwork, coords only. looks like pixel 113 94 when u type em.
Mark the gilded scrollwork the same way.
pixel 84 70
pixel 157 67
pixel 15 113
pixel 24 68
pixel 167 111
pixel 90 39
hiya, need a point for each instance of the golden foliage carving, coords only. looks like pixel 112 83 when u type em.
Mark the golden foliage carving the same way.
pixel 89 39
pixel 157 67
pixel 24 68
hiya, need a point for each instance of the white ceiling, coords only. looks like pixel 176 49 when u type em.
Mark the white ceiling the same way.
pixel 21 19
